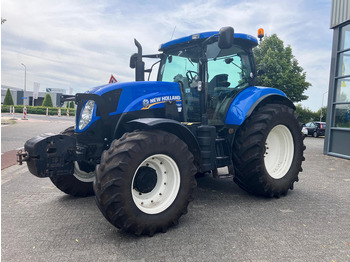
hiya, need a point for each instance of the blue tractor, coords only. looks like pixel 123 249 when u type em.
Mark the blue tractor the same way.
pixel 137 146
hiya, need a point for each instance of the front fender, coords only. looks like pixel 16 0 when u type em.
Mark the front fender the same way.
pixel 170 126
pixel 248 99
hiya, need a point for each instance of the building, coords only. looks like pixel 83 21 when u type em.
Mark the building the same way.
pixel 337 141
pixel 18 94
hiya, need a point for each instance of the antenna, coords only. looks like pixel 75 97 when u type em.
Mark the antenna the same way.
pixel 173 33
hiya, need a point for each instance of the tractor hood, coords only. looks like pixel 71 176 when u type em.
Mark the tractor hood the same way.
pixel 118 98
pixel 134 96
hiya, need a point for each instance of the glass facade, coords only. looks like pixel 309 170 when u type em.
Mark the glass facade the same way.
pixel 337 140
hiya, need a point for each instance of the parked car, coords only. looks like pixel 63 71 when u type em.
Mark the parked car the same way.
pixel 304 130
pixel 314 129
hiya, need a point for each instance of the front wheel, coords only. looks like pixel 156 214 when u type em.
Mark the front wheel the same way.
pixel 268 151
pixel 78 184
pixel 145 181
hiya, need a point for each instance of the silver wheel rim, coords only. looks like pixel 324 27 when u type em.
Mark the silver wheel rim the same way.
pixel 166 188
pixel 279 152
pixel 82 175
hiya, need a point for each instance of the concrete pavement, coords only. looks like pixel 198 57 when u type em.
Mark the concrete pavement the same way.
pixel 312 223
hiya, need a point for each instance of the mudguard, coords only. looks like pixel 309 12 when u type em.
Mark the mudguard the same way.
pixel 248 99
pixel 171 126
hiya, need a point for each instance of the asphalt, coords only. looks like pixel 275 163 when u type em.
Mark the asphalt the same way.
pixel 224 223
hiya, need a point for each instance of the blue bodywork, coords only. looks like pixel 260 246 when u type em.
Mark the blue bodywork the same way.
pixel 250 40
pixel 137 96
pixel 146 95
pixel 243 102
pixel 142 95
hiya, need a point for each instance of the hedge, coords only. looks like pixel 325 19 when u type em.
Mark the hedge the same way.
pixel 39 110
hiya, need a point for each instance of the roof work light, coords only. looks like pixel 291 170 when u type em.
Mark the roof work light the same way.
pixel 260 33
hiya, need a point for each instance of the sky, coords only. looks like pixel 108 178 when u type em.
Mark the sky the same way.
pixel 78 44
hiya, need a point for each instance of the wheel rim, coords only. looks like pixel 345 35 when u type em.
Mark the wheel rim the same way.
pixel 279 152
pixel 160 193
pixel 82 175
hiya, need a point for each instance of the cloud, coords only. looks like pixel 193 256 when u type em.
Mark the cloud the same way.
pixel 80 44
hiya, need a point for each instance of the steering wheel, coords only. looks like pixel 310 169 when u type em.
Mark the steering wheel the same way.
pixel 191 76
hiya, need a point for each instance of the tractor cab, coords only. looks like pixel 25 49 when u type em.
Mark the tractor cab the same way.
pixel 198 64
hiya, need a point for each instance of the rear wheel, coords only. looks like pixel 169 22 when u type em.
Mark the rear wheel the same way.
pixel 268 151
pixel 145 181
pixel 315 134
pixel 79 183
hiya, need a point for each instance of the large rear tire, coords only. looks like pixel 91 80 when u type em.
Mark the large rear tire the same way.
pixel 145 181
pixel 78 184
pixel 268 151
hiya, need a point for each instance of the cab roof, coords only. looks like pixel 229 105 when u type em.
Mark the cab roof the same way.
pixel 240 39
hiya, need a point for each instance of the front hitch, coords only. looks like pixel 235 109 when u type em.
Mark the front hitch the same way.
pixel 22 156
pixel 49 155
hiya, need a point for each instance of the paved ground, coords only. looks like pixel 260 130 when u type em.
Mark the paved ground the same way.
pixel 312 223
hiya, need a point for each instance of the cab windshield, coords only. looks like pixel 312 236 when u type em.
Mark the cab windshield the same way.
pixel 227 72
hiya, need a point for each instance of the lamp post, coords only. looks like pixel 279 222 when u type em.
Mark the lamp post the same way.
pixel 321 115
pixel 25 82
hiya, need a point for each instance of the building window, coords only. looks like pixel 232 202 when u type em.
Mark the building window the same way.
pixel 341 100
pixel 344 64
pixel 342 116
pixel 342 93
pixel 344 42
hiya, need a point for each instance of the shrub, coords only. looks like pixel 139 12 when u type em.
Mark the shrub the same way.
pixel 8 101
pixel 47 101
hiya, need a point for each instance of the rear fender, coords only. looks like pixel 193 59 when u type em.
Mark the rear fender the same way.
pixel 249 99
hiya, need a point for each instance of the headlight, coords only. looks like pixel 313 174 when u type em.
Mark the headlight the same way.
pixel 86 114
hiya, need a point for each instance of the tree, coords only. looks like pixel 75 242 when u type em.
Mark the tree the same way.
pixel 282 70
pixel 47 101
pixel 8 101
pixel 70 104
pixel 305 114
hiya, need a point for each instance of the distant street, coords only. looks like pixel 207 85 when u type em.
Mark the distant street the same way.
pixel 14 136
pixel 15 132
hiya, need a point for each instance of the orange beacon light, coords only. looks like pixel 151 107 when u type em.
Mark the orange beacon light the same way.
pixel 260 33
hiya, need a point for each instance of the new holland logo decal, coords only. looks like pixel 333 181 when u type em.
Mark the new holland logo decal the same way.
pixel 148 103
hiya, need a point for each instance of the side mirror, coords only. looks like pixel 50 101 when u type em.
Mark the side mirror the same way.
pixel 226 35
pixel 133 60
